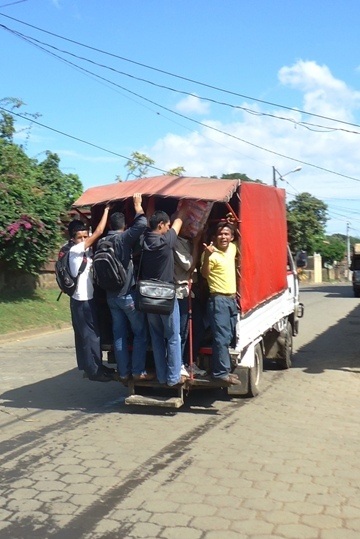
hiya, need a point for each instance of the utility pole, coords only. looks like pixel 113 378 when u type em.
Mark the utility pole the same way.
pixel 281 176
pixel 348 249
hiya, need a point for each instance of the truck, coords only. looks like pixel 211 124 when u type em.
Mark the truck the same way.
pixel 355 268
pixel 268 302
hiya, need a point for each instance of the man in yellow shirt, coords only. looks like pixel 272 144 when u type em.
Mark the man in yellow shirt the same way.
pixel 218 267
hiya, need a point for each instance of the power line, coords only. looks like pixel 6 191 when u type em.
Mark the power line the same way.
pixel 180 76
pixel 108 82
pixel 196 121
pixel 330 212
pixel 307 125
pixel 77 138
pixel 13 3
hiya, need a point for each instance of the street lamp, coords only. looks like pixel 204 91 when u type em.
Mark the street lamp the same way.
pixel 281 176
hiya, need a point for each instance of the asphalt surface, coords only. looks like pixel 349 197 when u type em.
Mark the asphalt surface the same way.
pixel 76 462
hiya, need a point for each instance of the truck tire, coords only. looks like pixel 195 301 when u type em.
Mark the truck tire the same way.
pixel 255 372
pixel 285 348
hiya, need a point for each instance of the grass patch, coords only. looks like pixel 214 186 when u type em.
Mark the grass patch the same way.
pixel 27 310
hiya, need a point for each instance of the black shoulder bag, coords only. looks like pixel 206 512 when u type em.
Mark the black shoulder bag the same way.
pixel 154 296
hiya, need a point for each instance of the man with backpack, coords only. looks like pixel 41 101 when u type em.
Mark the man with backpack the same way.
pixel 120 291
pixel 82 304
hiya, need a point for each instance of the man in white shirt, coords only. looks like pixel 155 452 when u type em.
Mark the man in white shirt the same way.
pixel 82 303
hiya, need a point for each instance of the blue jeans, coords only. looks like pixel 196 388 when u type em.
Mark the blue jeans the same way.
pixel 222 312
pixel 166 345
pixel 123 311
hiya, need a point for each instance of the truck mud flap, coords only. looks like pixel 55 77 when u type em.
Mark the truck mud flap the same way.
pixel 243 374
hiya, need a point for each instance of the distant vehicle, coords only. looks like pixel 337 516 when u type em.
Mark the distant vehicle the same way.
pixel 355 268
pixel 301 259
pixel 267 281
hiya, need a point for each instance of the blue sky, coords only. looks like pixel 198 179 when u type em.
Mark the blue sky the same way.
pixel 262 65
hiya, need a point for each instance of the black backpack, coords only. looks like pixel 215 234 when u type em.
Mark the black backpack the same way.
pixel 109 273
pixel 66 282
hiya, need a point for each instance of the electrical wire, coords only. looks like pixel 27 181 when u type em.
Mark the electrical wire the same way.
pixel 77 138
pixel 110 84
pixel 180 76
pixel 13 3
pixel 273 152
pixel 307 125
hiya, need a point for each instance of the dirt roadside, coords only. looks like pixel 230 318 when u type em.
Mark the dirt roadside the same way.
pixel 32 332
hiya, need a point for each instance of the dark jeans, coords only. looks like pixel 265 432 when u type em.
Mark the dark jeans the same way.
pixel 184 323
pixel 222 311
pixel 87 336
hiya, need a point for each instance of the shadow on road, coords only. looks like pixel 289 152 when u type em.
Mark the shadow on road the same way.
pixel 337 348
pixel 69 392
pixel 331 290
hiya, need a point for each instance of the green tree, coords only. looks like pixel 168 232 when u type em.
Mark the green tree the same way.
pixel 307 217
pixel 176 171
pixel 331 249
pixel 138 165
pixel 238 176
pixel 33 196
pixel 67 186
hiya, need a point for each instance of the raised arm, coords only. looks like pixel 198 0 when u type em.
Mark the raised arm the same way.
pixel 89 241
pixel 178 221
pixel 137 199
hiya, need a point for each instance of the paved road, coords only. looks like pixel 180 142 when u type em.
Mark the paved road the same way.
pixel 77 463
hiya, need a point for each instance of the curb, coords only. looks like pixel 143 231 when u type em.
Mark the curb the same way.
pixel 33 332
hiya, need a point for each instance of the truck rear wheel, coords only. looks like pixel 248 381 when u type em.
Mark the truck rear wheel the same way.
pixel 255 372
pixel 285 348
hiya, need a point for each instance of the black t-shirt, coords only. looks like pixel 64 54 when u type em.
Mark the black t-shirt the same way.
pixel 157 257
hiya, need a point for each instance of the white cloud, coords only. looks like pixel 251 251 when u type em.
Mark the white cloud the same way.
pixel 192 105
pixel 206 152
pixel 323 93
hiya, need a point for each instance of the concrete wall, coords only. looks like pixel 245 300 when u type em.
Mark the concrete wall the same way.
pixel 20 280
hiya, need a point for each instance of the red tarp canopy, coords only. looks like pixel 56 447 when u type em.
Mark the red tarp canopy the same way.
pixel 263 244
pixel 164 186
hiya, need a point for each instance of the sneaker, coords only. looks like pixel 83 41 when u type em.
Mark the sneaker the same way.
pixel 184 372
pixel 196 370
